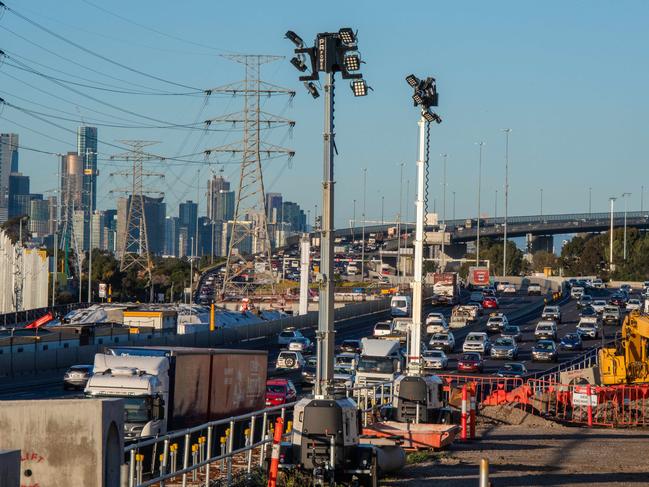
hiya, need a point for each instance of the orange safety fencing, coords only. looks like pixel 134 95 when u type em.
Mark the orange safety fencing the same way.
pixel 617 405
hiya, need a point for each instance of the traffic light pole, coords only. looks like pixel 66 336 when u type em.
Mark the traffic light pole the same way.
pixel 326 331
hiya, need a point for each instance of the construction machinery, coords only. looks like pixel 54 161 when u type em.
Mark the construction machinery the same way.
pixel 627 360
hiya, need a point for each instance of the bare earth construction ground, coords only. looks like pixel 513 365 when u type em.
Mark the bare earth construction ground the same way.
pixel 531 451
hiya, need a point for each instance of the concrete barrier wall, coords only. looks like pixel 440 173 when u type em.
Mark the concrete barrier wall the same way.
pixel 30 362
pixel 65 442
pixel 549 284
pixel 633 284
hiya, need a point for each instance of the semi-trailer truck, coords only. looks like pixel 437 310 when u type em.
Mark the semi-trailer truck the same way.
pixel 169 388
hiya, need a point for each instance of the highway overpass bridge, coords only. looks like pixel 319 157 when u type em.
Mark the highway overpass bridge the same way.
pixel 519 226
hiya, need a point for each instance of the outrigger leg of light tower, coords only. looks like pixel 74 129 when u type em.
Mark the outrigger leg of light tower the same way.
pixel 325 439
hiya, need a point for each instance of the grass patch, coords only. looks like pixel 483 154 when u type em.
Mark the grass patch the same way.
pixel 422 456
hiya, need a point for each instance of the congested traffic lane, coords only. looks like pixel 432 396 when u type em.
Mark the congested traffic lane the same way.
pixel 570 319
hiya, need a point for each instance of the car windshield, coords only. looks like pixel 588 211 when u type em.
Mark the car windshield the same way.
pixel 433 354
pixel 550 309
pixel 469 357
pixel 400 303
pixel 287 334
pixel 312 362
pixel 544 327
pixel 350 343
pixel 344 359
pixel 513 367
pixel 440 336
pixel 610 309
pixel 474 338
pixel 137 409
pixel 275 389
pixel 382 326
pixel 544 345
pixel 570 337
pixel 504 342
pixel 495 320
pixel 298 340
pixel 340 370
pixel 586 325
pixel 81 368
pixel 285 356
pixel 599 302
pixel 510 329
pixel 381 365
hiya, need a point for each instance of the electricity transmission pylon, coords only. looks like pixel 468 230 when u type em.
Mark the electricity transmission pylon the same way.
pixel 248 231
pixel 134 248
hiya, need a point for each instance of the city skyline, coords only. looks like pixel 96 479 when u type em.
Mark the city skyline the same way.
pixel 476 100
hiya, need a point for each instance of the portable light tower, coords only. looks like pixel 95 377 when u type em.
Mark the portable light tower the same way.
pixel 325 439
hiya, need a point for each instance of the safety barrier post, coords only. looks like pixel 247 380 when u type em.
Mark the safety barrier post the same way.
pixel 464 412
pixel 223 438
pixel 230 449
pixel 264 437
pixel 131 468
pixel 589 407
pixel 253 420
pixel 186 458
pixel 472 392
pixel 274 458
pixel 209 455
pixel 484 472
pixel 163 460
pixel 194 460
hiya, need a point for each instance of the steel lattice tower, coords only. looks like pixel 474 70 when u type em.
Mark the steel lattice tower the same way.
pixel 250 223
pixel 134 250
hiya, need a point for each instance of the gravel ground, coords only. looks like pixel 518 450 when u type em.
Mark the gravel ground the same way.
pixel 531 451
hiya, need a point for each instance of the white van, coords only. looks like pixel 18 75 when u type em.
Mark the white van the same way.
pixel 400 306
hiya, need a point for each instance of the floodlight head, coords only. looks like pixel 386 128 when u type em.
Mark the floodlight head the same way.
pixel 299 64
pixel 347 36
pixel 310 87
pixel 417 98
pixel 430 116
pixel 352 62
pixel 294 38
pixel 359 87
pixel 412 80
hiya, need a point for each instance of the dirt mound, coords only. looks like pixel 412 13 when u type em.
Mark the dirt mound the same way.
pixel 513 416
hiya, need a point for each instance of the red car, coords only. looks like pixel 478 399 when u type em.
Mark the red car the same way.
pixel 470 362
pixel 280 391
pixel 490 302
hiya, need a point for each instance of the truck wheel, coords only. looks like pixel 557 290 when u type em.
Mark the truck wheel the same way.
pixel 290 362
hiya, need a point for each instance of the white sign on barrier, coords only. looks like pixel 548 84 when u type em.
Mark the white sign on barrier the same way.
pixel 580 398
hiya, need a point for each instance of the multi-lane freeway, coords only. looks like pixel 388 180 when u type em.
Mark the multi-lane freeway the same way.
pixel 362 326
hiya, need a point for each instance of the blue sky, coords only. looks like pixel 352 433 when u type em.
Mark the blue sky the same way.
pixel 569 78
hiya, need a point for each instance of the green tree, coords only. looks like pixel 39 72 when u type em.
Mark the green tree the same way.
pixel 543 259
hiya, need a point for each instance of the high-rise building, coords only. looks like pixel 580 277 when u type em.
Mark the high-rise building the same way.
pixel 98 230
pixel 205 236
pixel 39 215
pixel 220 200
pixel 8 164
pixel 78 228
pixel 171 236
pixel 18 190
pixel 110 220
pixel 52 208
pixel 87 150
pixel 154 214
pixel 187 215
pixel 273 207
pixel 70 191
pixel 294 216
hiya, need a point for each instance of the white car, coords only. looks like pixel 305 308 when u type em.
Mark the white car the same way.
pixel 300 344
pixel 546 330
pixel 598 284
pixel 476 341
pixel 290 360
pixel 444 341
pixel 633 304
pixel 502 285
pixel 509 289
pixel 436 323
pixel 598 305
pixel 383 328
pixel 287 335
pixel 434 359
pixel 551 313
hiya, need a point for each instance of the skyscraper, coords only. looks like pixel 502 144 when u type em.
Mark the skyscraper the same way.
pixel 39 217
pixel 294 216
pixel 187 215
pixel 220 200
pixel 18 190
pixel 273 207
pixel 87 150
pixel 70 191
pixel 8 164
pixel 171 236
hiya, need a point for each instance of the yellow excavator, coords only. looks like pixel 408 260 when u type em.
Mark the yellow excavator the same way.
pixel 627 361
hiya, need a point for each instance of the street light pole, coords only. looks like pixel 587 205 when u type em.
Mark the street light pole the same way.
pixel 477 238
pixel 496 207
pixel 364 219
pixel 590 200
pixel 624 195
pixel 611 266
pixel 354 223
pixel 445 157
pixel 453 205
pixel 641 199
pixel 541 191
pixel 507 131
pixel 399 221
pixel 382 210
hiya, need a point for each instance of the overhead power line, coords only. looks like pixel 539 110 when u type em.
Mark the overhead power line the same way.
pixel 91 52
